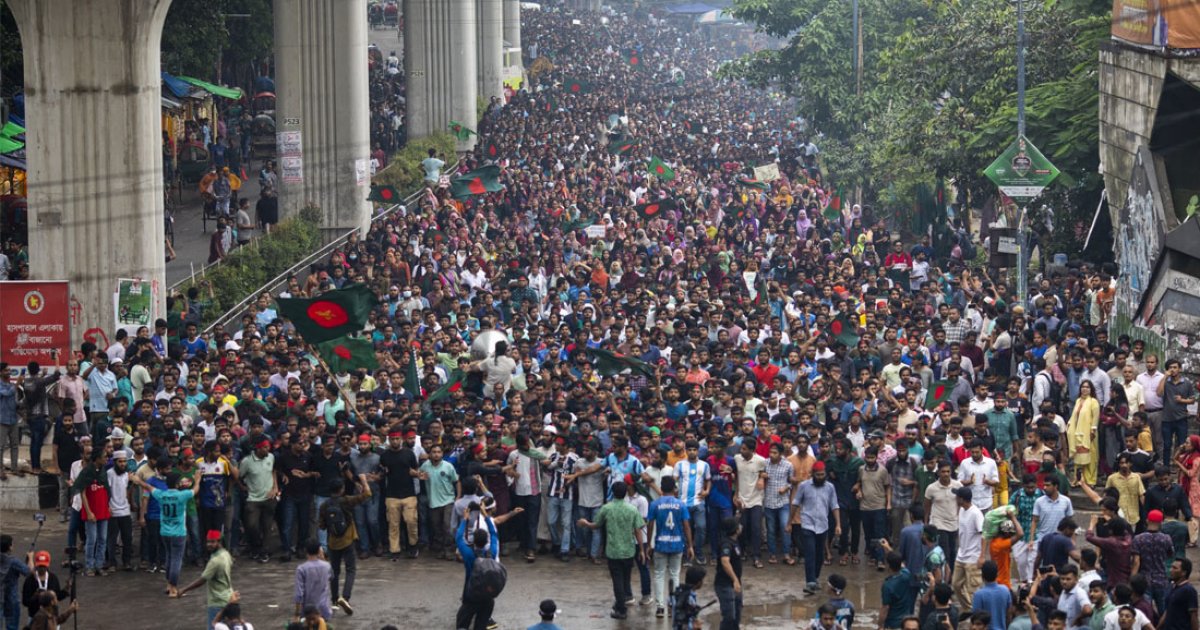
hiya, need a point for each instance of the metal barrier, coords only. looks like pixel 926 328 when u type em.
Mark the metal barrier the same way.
pixel 273 286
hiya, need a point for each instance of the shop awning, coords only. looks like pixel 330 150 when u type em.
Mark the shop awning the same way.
pixel 211 88
pixel 8 145
pixel 177 87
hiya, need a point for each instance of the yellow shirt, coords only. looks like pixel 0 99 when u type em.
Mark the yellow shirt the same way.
pixel 1131 490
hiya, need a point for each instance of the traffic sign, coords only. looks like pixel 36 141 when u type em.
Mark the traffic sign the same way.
pixel 1021 172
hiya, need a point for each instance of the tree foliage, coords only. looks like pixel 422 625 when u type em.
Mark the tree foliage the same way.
pixel 199 33
pixel 939 87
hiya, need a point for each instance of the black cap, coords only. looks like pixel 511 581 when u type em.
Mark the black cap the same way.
pixel 548 608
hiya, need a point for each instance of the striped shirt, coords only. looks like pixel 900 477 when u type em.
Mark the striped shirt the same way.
pixel 1050 512
pixel 561 465
pixel 779 476
pixel 691 478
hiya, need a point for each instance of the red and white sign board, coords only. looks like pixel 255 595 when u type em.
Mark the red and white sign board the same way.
pixel 35 319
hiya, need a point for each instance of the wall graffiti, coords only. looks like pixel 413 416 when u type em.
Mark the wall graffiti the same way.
pixel 1143 227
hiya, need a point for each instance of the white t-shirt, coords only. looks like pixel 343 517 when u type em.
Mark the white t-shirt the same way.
pixel 981 493
pixel 118 493
pixel 240 625
pixel 970 534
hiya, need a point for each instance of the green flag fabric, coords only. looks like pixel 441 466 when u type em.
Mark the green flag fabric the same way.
pixel 608 363
pixel 457 377
pixel 330 315
pixel 750 182
pixel 660 169
pixel 579 224
pixel 348 353
pixel 844 330
pixel 383 194
pixel 939 392
pixel 652 209
pixel 575 86
pixel 477 182
pixel 460 131
pixel 412 380
pixel 833 209
pixel 621 146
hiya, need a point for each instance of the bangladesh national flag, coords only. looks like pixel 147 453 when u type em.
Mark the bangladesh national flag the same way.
pixel 608 363
pixel 548 104
pixel 491 150
pixel 437 236
pixel 687 125
pixel 575 86
pixel 660 169
pixel 833 209
pixel 457 377
pixel 330 315
pixel 750 182
pixel 634 58
pixel 348 353
pixel 939 392
pixel 844 330
pixel 460 131
pixel 383 194
pixel 621 146
pixel 477 182
pixel 654 208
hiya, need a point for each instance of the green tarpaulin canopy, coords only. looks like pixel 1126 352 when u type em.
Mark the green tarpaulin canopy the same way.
pixel 230 93
pixel 12 130
pixel 8 145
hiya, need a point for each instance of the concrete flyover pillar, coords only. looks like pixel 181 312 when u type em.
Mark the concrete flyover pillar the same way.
pixel 512 24
pixel 491 47
pixel 92 104
pixel 441 66
pixel 321 85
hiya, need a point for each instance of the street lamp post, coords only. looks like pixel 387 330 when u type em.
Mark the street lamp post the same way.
pixel 1022 223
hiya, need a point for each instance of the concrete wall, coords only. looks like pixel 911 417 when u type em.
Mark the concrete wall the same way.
pixel 1130 82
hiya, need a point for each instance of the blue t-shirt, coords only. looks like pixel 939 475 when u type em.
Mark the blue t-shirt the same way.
pixel 174 511
pixel 192 348
pixel 994 599
pixel 668 514
pixel 545 625
pixel 153 509
pixel 618 469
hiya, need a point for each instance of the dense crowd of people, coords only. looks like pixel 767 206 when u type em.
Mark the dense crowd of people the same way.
pixel 807 386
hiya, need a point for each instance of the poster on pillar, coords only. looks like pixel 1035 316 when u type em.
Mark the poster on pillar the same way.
pixel 35 322
pixel 291 169
pixel 133 305
pixel 361 175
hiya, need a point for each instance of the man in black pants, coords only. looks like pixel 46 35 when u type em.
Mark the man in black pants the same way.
pixel 622 529
pixel 728 583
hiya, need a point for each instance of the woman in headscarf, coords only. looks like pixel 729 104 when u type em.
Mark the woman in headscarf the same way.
pixel 1189 477
pixel 802 224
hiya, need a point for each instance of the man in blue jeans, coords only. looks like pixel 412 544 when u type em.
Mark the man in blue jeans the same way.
pixel 815 500
pixel 695 482
pixel 297 481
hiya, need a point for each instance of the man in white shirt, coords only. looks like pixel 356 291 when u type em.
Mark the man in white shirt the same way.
pixel 967 577
pixel 751 472
pixel 1134 393
pixel 980 474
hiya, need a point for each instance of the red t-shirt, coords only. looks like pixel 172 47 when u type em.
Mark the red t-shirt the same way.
pixel 97 499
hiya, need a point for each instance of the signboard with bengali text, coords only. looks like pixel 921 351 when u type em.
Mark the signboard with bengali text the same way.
pixel 35 319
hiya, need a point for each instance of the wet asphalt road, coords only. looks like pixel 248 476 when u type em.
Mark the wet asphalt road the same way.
pixel 423 593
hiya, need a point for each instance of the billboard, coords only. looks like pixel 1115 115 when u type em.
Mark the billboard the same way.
pixel 1171 24
pixel 35 319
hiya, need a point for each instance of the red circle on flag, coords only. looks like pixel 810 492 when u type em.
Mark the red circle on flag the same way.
pixel 386 193
pixel 491 149
pixel 660 170
pixel 652 209
pixel 938 392
pixel 327 314
pixel 342 351
pixel 836 327
pixel 575 87
pixel 633 61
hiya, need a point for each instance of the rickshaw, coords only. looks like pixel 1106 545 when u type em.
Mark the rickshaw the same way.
pixel 262 128
pixel 194 161
pixel 391 15
pixel 375 15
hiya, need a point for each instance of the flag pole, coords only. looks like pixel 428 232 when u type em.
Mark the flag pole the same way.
pixel 350 410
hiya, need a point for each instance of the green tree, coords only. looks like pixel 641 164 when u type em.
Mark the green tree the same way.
pixel 193 36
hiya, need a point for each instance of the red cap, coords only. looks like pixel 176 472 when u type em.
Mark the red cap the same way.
pixel 41 559
pixel 213 534
pixel 629 480
pixel 818 466
pixel 1155 516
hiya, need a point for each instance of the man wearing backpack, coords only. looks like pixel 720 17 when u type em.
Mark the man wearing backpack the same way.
pixel 337 518
pixel 485 577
